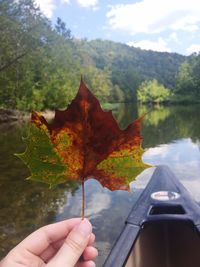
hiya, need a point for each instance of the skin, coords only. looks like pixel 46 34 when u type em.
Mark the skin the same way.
pixel 63 244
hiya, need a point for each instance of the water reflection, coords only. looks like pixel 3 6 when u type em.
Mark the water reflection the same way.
pixel 183 157
pixel 154 116
pixel 163 125
pixel 24 205
pixel 171 136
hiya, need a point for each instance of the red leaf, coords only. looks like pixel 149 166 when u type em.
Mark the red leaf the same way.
pixel 85 136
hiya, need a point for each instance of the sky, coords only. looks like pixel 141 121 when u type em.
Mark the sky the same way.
pixel 159 25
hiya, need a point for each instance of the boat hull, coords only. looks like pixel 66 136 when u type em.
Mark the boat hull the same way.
pixel 162 229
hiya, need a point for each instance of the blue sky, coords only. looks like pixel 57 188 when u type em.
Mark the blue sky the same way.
pixel 159 25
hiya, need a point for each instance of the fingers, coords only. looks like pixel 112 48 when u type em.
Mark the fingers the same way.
pixel 21 258
pixel 91 240
pixel 90 253
pixel 47 254
pixel 46 242
pixel 85 264
pixel 74 245
pixel 40 240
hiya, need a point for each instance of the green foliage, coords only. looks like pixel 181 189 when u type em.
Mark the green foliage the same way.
pixel 62 30
pixel 184 79
pixel 124 165
pixel 40 156
pixel 38 69
pixel 152 92
pixel 98 81
pixel 188 80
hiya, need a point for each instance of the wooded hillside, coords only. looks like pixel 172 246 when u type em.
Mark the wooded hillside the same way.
pixel 41 64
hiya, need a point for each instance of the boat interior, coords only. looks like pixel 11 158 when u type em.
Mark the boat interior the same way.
pixel 166 244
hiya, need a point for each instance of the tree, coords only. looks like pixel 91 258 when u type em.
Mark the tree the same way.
pixel 23 29
pixel 24 37
pixel 37 67
pixel 184 79
pixel 99 82
pixel 188 80
pixel 62 30
pixel 152 92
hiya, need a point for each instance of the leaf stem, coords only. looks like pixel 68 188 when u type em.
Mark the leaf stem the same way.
pixel 83 200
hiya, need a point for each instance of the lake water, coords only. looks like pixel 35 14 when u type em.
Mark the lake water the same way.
pixel 171 136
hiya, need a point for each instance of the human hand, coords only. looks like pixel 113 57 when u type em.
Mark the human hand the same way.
pixel 63 244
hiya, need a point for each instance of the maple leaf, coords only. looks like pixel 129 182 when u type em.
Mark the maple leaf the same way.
pixel 84 141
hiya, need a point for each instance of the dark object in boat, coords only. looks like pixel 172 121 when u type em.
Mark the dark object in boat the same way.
pixel 162 229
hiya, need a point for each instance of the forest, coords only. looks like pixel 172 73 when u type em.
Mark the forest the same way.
pixel 41 65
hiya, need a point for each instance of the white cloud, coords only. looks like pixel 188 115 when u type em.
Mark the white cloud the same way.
pixel 173 37
pixel 46 6
pixel 88 3
pixel 155 16
pixel 65 1
pixel 98 202
pixel 160 45
pixel 193 48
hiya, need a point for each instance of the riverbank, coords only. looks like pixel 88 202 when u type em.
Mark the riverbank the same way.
pixel 8 116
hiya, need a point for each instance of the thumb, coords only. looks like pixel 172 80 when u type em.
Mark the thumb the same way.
pixel 74 245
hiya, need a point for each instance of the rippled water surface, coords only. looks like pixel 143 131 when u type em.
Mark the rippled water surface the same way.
pixel 171 137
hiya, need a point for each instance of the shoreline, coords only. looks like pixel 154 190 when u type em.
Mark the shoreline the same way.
pixel 9 116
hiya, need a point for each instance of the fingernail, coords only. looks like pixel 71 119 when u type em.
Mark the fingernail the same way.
pixel 84 228
pixel 92 264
